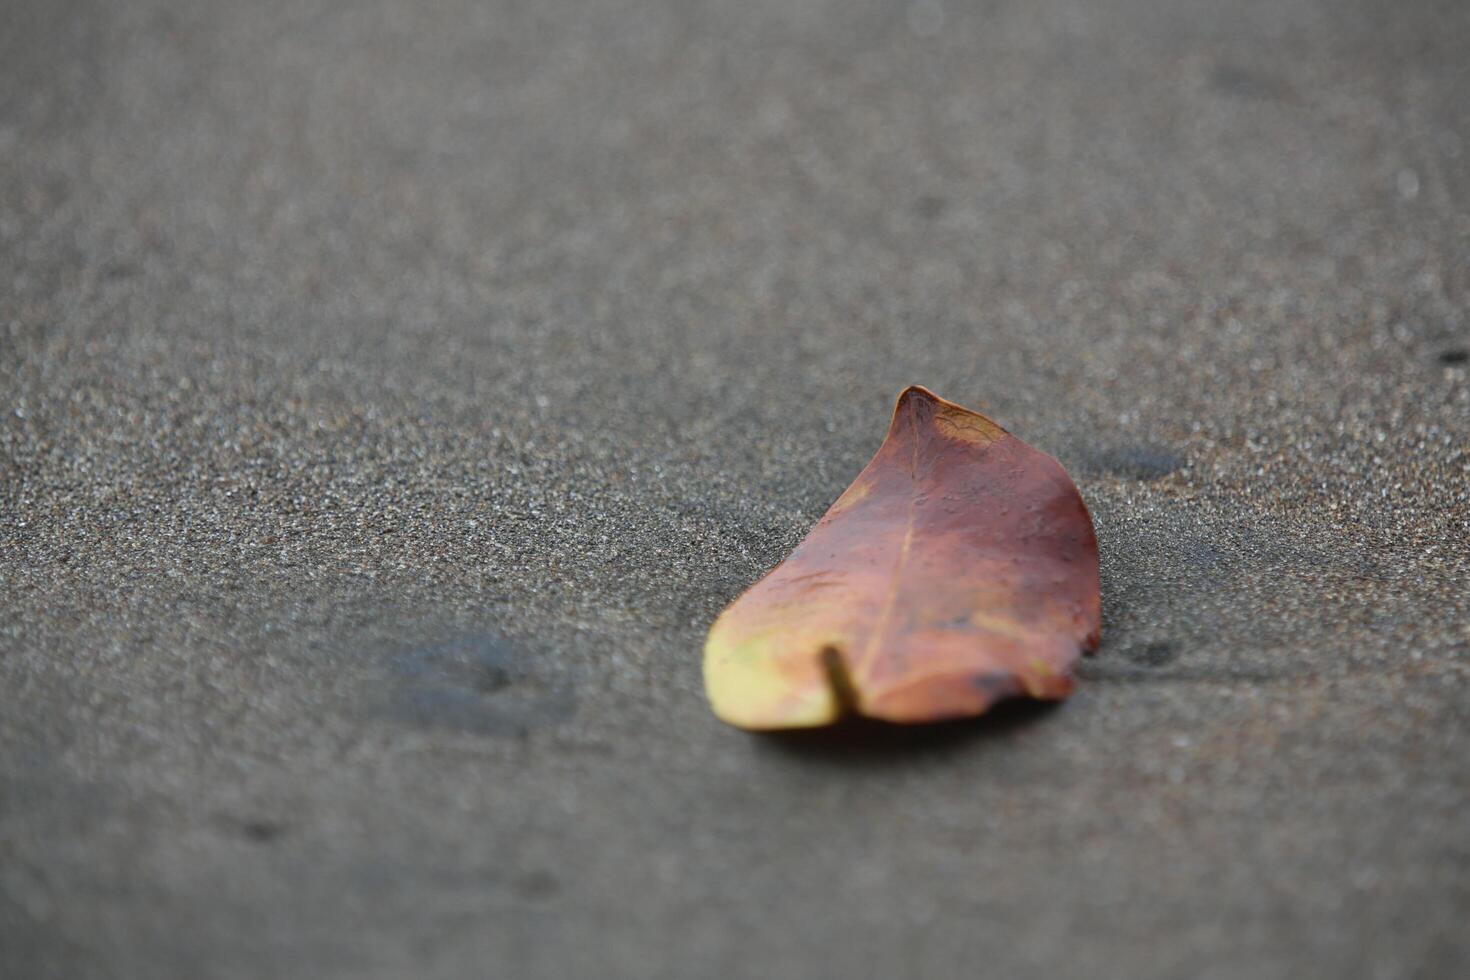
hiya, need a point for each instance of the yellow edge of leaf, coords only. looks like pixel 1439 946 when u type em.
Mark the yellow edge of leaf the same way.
pixel 749 689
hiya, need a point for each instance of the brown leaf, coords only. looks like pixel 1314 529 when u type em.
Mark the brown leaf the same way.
pixel 959 568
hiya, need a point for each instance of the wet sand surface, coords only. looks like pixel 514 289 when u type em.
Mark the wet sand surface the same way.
pixel 391 394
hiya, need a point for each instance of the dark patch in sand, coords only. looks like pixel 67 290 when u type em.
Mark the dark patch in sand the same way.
pixel 476 684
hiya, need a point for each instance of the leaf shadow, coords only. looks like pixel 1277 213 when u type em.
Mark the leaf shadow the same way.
pixel 863 744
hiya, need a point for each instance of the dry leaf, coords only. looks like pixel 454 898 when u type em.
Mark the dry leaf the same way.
pixel 959 568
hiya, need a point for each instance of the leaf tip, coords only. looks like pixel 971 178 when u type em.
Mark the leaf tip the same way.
pixel 921 406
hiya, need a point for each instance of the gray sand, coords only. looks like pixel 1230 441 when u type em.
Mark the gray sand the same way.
pixel 393 392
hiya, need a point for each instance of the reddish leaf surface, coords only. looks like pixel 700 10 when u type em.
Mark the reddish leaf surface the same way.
pixel 959 568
